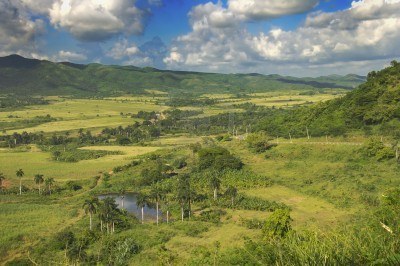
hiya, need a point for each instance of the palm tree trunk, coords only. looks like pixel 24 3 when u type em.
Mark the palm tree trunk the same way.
pixel 182 212
pixel 215 194
pixel 90 221
pixel 167 216
pixel 20 186
pixel 157 211
pixel 232 201
pixel 113 227
pixel 101 225
pixel 122 202
pixel 39 188
pixel 142 215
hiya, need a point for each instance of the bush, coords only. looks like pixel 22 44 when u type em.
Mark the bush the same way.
pixel 258 142
pixel 73 186
pixel 218 158
pixel 375 148
pixel 213 216
pixel 118 251
pixel 278 224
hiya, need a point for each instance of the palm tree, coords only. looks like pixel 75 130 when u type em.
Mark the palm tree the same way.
pixel 49 182
pixel 38 180
pixel 232 193
pixel 156 194
pixel 2 178
pixel 20 173
pixel 90 206
pixel 166 203
pixel 108 212
pixel 141 201
pixel 122 193
pixel 215 184
pixel 183 192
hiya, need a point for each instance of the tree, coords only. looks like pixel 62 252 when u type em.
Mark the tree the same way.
pixel 141 201
pixel 232 193
pixel 183 192
pixel 49 182
pixel 38 180
pixel 157 194
pixel 20 173
pixel 2 178
pixel 90 206
pixel 108 210
pixel 215 183
pixel 56 155
pixel 122 193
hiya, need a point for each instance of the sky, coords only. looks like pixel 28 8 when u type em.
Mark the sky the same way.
pixel 287 37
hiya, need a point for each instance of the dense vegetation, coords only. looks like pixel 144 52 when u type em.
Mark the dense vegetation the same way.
pixel 374 107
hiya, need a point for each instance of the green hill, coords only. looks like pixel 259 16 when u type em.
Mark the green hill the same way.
pixel 31 76
pixel 374 107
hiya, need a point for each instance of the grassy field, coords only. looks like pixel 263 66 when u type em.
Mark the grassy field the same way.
pixel 35 161
pixel 72 114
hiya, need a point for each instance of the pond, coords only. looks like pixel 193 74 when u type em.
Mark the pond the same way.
pixel 128 202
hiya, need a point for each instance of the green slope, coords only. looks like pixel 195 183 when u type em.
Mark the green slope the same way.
pixel 374 107
pixel 30 76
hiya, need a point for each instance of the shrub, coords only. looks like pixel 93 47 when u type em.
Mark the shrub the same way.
pixel 278 224
pixel 258 142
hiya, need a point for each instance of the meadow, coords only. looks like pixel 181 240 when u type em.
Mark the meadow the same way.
pixel 326 183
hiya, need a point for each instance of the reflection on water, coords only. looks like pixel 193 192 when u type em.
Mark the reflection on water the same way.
pixel 129 204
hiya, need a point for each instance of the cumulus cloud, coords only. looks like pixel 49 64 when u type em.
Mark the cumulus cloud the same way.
pixel 122 49
pixel 261 9
pixel 150 53
pixel 18 32
pixel 98 20
pixel 70 56
pixel 366 32
pixel 38 7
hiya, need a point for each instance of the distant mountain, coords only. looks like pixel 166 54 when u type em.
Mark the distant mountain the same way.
pixel 31 76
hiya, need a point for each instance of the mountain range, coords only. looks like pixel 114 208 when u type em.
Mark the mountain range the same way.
pixel 42 77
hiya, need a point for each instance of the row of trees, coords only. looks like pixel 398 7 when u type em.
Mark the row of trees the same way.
pixel 38 179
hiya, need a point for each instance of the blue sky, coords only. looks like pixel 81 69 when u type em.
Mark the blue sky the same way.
pixel 289 37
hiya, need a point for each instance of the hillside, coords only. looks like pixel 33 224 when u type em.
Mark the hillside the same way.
pixel 374 107
pixel 31 76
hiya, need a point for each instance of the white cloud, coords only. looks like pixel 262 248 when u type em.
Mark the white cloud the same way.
pixel 261 9
pixel 150 53
pixel 70 56
pixel 39 7
pixel 366 32
pixel 97 20
pixel 122 49
pixel 18 32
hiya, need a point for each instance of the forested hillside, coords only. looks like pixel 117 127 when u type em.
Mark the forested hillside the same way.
pixel 31 76
pixel 374 107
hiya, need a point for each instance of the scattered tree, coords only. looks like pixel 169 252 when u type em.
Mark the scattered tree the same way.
pixel 38 178
pixel 90 206
pixel 20 173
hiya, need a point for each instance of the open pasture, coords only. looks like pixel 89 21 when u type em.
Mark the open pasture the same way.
pixel 72 114
pixel 36 161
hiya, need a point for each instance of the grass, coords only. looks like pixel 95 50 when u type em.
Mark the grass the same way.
pixel 73 114
pixel 28 222
pixel 306 210
pixel 36 161
pixel 338 173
